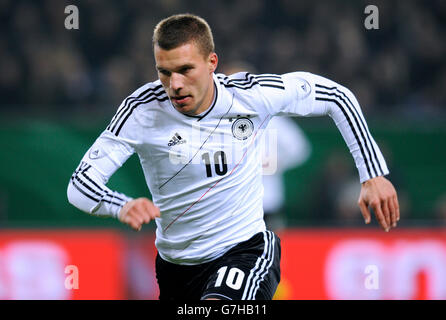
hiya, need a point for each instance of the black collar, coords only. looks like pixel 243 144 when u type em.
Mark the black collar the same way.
pixel 202 115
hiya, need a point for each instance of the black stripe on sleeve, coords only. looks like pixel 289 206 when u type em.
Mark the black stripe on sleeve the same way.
pixel 124 110
pixel 84 193
pixel 127 101
pixel 364 127
pixel 232 85
pixel 269 80
pixel 131 103
pixel 78 180
pixel 81 185
pixel 75 184
pixel 133 107
pixel 105 193
pixel 271 86
pixel 269 76
pixel 81 167
pixel 112 202
pixel 251 80
pixel 351 127
pixel 99 188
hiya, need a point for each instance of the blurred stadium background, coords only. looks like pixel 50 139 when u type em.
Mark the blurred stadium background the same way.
pixel 59 89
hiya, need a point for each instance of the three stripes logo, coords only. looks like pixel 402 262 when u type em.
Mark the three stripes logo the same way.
pixel 176 139
pixel 146 95
pixel 356 123
pixel 250 80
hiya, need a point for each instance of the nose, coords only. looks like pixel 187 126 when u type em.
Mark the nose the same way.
pixel 176 82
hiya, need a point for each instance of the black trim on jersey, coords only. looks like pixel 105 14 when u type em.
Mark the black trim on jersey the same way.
pixel 105 192
pixel 78 181
pixel 268 75
pixel 112 196
pixel 352 128
pixel 238 83
pixel 81 166
pixel 363 129
pixel 83 192
pixel 187 115
pixel 367 133
pixel 221 179
pixel 201 147
pixel 264 80
pixel 124 105
pixel 343 105
pixel 213 103
pixel 83 183
pixel 261 268
pixel 209 109
pixel 132 102
pixel 272 86
pixel 93 198
pixel 134 107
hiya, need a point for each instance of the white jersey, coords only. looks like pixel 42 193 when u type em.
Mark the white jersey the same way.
pixel 205 172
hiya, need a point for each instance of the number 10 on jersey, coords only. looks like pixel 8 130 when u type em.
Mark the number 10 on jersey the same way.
pixel 219 161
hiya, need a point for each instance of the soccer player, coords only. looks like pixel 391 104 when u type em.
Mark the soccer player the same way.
pixel 196 134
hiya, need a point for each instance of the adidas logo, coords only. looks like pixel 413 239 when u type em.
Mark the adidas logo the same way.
pixel 176 139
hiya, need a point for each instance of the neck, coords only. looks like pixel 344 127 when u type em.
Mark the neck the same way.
pixel 208 100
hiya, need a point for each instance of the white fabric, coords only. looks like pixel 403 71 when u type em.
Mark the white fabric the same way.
pixel 207 208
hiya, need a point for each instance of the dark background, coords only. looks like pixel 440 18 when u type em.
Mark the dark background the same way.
pixel 60 88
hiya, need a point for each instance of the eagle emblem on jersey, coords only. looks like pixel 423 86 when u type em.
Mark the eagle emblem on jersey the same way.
pixel 242 128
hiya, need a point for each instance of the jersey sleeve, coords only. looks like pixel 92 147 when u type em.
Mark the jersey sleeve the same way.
pixel 309 95
pixel 87 188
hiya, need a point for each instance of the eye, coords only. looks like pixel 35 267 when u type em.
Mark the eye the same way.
pixel 164 72
pixel 185 70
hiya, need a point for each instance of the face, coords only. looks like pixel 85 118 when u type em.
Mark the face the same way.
pixel 186 75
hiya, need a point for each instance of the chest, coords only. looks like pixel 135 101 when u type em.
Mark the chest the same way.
pixel 179 152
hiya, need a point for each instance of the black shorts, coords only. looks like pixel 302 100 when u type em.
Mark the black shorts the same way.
pixel 248 271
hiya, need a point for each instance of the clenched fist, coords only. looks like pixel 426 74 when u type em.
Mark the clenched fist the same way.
pixel 137 212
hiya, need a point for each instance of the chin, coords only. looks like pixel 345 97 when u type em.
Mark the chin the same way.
pixel 184 109
pixel 188 109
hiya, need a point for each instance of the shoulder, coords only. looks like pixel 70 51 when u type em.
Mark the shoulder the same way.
pixel 151 91
pixel 252 82
pixel 148 95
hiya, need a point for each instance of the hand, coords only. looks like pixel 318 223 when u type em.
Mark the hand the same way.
pixel 380 194
pixel 138 211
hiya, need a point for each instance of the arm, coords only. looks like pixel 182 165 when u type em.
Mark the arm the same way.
pixel 307 94
pixel 87 188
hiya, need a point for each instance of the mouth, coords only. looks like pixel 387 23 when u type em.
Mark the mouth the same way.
pixel 181 100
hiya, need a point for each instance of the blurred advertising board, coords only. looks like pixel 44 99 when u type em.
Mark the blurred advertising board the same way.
pixel 316 264
pixel 61 264
pixel 362 264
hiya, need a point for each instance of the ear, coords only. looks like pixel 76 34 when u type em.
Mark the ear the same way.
pixel 213 62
